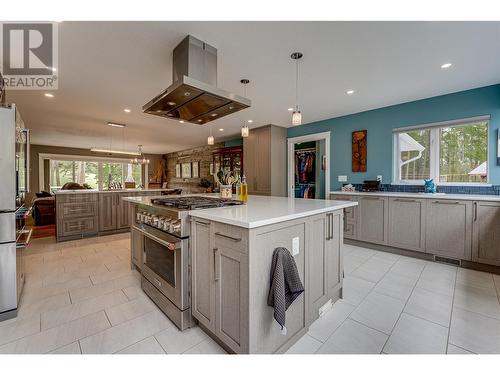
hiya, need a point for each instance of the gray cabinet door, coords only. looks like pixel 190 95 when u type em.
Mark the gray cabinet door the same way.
pixel 406 223
pixel 350 216
pixel 107 211
pixel 449 228
pixel 318 258
pixel 486 233
pixel 372 216
pixel 137 241
pixel 203 282
pixel 123 211
pixel 231 297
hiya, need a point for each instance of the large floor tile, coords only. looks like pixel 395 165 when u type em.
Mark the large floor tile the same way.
pixel 356 289
pixel 475 278
pixel 452 349
pixel 82 308
pixel 123 335
pixel 430 306
pixel 408 268
pixel 73 348
pixel 386 257
pixel 27 308
pixel 110 275
pixel 325 325
pixel 372 270
pixel 146 346
pixel 103 288
pixel 474 332
pixel 174 341
pixel 396 285
pixel 379 311
pixel 413 335
pixel 19 329
pixel 305 345
pixel 480 300
pixel 59 336
pixel 54 289
pixel 129 310
pixel 133 292
pixel 438 281
pixel 354 338
pixel 352 262
pixel 208 346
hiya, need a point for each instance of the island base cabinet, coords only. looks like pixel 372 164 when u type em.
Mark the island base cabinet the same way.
pixel 231 297
pixel 486 233
pixel 203 273
pixel 448 228
pixel 324 260
pixel 137 244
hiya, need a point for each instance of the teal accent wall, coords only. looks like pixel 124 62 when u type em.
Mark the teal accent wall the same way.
pixel 380 122
pixel 233 142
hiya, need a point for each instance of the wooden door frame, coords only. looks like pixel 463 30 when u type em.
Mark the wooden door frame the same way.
pixel 290 150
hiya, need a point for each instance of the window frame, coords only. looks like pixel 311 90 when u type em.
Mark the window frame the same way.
pixel 434 156
pixel 99 160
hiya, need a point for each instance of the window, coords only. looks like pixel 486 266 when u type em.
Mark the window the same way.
pixel 98 174
pixel 451 152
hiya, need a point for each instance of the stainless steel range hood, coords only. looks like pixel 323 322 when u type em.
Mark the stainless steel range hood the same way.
pixel 194 96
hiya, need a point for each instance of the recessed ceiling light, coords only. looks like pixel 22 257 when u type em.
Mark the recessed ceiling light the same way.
pixel 49 95
pixel 249 121
pixel 221 129
pixel 171 103
pixel 127 110
pixel 290 109
pixel 181 121
pixel 213 114
pixel 349 92
pixel 53 69
pixel 446 66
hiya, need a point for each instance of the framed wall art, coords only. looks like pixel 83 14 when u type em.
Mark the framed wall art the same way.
pixel 186 170
pixel 195 166
pixel 359 151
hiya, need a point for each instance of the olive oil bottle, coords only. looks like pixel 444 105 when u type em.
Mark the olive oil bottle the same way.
pixel 243 190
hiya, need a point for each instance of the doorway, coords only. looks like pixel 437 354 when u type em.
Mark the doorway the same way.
pixel 308 166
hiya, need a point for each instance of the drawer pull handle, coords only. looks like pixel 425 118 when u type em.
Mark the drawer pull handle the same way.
pixel 405 200
pixel 216 268
pixel 236 239
pixel 441 202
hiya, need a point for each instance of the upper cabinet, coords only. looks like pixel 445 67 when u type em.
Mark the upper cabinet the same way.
pixel 264 158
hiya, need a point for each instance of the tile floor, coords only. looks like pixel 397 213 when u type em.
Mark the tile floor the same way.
pixel 82 297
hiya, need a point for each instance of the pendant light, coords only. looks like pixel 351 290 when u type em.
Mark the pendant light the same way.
pixel 245 131
pixel 210 139
pixel 296 115
pixel 141 160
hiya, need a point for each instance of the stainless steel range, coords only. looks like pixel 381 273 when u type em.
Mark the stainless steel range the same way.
pixel 162 229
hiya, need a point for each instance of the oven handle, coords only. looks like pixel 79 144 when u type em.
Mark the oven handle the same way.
pixel 154 238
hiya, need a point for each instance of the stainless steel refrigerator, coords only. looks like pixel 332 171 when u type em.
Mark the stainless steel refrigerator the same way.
pixel 14 184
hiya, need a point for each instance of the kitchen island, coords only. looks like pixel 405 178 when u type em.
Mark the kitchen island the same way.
pixel 230 251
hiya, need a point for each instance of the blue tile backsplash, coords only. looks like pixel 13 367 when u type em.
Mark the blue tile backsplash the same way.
pixel 474 190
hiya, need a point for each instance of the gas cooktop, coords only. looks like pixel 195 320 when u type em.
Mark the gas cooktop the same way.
pixel 195 203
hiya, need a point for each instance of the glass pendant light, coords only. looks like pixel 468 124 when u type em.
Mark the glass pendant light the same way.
pixel 210 139
pixel 245 131
pixel 141 160
pixel 296 114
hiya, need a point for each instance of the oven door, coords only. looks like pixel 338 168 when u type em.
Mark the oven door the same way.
pixel 166 265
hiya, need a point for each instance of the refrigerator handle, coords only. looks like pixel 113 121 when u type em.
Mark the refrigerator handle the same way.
pixel 28 158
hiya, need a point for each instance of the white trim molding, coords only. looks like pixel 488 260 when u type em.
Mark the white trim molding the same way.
pixel 291 168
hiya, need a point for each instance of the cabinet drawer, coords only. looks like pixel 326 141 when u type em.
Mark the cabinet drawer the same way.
pixel 76 198
pixel 72 210
pixel 231 237
pixel 77 226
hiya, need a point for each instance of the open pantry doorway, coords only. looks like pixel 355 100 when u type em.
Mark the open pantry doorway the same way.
pixel 309 166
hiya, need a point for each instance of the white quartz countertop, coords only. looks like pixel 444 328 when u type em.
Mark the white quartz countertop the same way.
pixel 261 211
pixel 108 191
pixel 466 197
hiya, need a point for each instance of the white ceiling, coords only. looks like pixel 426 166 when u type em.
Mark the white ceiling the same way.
pixel 108 66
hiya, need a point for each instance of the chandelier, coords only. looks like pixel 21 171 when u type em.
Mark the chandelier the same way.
pixel 141 160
